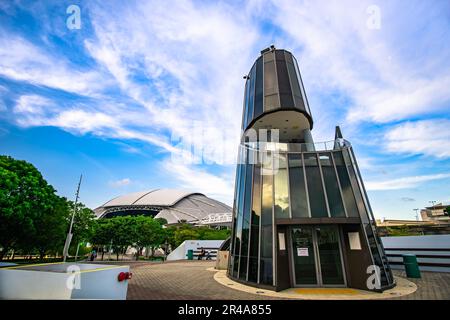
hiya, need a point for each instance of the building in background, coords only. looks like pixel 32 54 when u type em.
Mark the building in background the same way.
pixel 436 213
pixel 176 206
pixel 301 216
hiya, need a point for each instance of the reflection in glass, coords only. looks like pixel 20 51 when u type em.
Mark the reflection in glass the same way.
pixel 281 187
pixel 303 253
pixel 356 189
pixel 266 226
pixel 251 96
pixel 259 88
pixel 331 185
pixel 270 80
pixel 284 86
pixel 315 189
pixel 299 204
pixel 330 258
pixel 349 199
pixel 255 218
pixel 246 222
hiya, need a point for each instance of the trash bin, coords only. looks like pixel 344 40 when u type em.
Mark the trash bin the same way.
pixel 411 266
pixel 190 254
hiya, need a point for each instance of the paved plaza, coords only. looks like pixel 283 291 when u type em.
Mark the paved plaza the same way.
pixel 195 280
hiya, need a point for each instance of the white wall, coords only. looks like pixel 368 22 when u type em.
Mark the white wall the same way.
pixel 180 253
pixel 418 242
pixel 56 281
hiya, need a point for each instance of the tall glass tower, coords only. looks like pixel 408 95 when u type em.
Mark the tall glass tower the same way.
pixel 301 216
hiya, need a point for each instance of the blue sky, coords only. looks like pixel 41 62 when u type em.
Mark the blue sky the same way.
pixel 113 99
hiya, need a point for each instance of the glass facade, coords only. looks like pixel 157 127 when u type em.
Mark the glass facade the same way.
pixel 302 185
pixel 304 192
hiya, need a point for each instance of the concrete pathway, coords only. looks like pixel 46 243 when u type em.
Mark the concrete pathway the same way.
pixel 182 280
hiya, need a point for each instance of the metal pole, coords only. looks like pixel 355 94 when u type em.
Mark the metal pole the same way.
pixel 417 215
pixel 76 254
pixel 69 234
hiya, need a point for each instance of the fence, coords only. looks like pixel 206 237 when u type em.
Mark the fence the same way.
pixel 432 251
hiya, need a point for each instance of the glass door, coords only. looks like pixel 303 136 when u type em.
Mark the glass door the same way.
pixel 316 256
pixel 304 258
pixel 329 255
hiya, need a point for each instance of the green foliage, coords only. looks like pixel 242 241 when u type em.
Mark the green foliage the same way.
pixel 83 223
pixel 33 218
pixel 29 206
pixel 401 231
pixel 447 211
pixel 121 232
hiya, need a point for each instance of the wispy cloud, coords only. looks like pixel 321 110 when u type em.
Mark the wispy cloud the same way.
pixel 22 60
pixel 429 137
pixel 148 71
pixel 120 183
pixel 405 182
pixel 367 65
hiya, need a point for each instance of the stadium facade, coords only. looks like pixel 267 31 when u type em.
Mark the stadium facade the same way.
pixel 301 215
pixel 176 206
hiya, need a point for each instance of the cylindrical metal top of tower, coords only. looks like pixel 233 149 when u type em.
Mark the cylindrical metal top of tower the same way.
pixel 274 84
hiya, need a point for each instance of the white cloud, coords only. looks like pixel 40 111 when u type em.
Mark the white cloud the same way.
pixel 375 69
pixel 23 61
pixel 220 187
pixel 120 183
pixel 429 137
pixel 404 183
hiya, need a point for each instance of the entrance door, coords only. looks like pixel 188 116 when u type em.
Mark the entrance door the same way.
pixel 316 256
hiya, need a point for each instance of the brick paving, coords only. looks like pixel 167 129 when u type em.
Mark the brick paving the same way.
pixel 184 280
pixel 432 286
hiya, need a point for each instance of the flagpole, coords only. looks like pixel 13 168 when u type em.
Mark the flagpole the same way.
pixel 69 234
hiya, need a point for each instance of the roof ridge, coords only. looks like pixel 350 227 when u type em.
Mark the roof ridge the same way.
pixel 144 195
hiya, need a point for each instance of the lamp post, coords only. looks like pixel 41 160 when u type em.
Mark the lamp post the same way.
pixel 417 214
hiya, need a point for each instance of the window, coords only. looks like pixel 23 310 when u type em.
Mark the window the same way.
pixel 254 225
pixel 259 88
pixel 251 99
pixel 347 192
pixel 283 81
pixel 246 222
pixel 281 187
pixel 299 204
pixel 315 189
pixel 266 225
pixel 332 187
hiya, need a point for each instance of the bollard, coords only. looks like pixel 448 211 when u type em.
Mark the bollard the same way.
pixel 190 254
pixel 411 266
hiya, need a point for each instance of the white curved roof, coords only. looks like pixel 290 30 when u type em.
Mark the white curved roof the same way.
pixel 157 197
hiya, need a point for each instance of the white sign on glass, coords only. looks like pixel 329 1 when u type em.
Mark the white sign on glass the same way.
pixel 354 241
pixel 281 241
pixel 302 252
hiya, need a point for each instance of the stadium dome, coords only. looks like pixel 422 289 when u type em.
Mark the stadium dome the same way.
pixel 174 205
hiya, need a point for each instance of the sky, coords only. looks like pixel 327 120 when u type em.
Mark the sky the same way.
pixel 116 90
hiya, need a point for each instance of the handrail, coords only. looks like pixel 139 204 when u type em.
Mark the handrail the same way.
pixel 283 147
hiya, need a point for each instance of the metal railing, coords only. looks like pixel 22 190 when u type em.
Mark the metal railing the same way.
pixel 284 147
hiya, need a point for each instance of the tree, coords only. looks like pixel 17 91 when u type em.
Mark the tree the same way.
pixel 50 227
pixel 83 223
pixel 447 211
pixel 102 234
pixel 148 233
pixel 25 198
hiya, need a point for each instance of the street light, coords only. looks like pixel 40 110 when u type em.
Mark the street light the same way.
pixel 417 214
